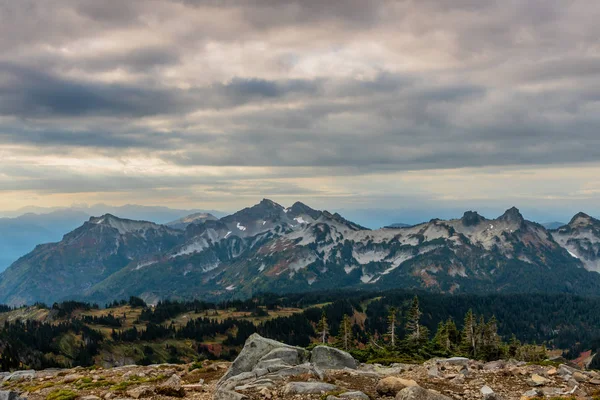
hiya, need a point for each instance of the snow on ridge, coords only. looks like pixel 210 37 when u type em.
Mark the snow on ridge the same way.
pixel 572 254
pixel 227 235
pixel 144 264
pixel 230 287
pixel 241 227
pixel 300 220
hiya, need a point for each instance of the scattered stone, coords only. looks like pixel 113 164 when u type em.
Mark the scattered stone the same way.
pixel 391 385
pixel 172 387
pixel 499 364
pixel 433 372
pixel 325 357
pixel 354 395
pixel 90 397
pixel 595 381
pixel 228 395
pixel 580 377
pixel 194 387
pixel 72 378
pixel 537 380
pixel 456 361
pixel 486 390
pixel 141 392
pixel 308 388
pixel 532 393
pixel 418 393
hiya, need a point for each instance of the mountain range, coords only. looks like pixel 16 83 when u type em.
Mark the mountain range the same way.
pixel 22 230
pixel 268 247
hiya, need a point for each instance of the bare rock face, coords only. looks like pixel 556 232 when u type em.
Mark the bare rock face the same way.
pixel 254 350
pixel 325 357
pixel 308 388
pixel 418 393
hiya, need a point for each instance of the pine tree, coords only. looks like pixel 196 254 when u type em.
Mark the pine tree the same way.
pixel 392 321
pixel 469 338
pixel 345 337
pixel 442 337
pixel 413 327
pixel 323 328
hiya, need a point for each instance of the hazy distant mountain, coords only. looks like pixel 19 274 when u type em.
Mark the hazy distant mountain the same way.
pixel 196 218
pixel 398 225
pixel 20 234
pixel 268 247
pixel 553 225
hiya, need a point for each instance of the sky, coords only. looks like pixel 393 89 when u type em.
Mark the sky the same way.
pixel 343 104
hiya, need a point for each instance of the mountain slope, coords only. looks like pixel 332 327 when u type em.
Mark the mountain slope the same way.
pixel 83 258
pixel 268 247
pixel 20 235
pixel 581 237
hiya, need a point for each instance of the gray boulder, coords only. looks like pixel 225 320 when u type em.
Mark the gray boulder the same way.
pixel 20 375
pixel 354 395
pixel 9 395
pixel 418 393
pixel 254 350
pixel 325 357
pixel 288 356
pixel 228 395
pixel 308 388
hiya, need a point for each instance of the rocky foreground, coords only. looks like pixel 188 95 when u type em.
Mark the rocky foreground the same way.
pixel 266 369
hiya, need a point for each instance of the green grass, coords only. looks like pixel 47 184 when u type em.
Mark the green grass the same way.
pixel 134 380
pixel 62 394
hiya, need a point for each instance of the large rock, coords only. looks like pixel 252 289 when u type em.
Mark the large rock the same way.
pixel 354 395
pixel 172 387
pixel 20 375
pixel 391 385
pixel 325 357
pixel 228 395
pixel 254 350
pixel 287 355
pixel 537 380
pixel 308 388
pixel 418 393
pixel 9 395
pixel 141 392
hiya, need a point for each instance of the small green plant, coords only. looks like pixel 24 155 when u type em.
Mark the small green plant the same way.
pixel 61 394
pixel 196 365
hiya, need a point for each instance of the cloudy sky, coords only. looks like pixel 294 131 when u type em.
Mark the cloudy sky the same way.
pixel 343 104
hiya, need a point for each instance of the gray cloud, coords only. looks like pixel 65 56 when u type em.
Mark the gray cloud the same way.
pixel 340 87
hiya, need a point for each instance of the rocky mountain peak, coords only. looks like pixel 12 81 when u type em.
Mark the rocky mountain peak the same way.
pixel 512 215
pixel 581 219
pixel 471 218
pixel 300 208
pixel 122 225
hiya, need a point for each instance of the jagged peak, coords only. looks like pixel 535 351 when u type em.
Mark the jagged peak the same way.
pixel 122 225
pixel 471 218
pixel 301 208
pixel 582 218
pixel 269 203
pixel 512 214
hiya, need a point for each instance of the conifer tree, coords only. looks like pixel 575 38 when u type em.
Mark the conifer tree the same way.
pixel 392 321
pixel 345 337
pixel 469 338
pixel 413 326
pixel 323 328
